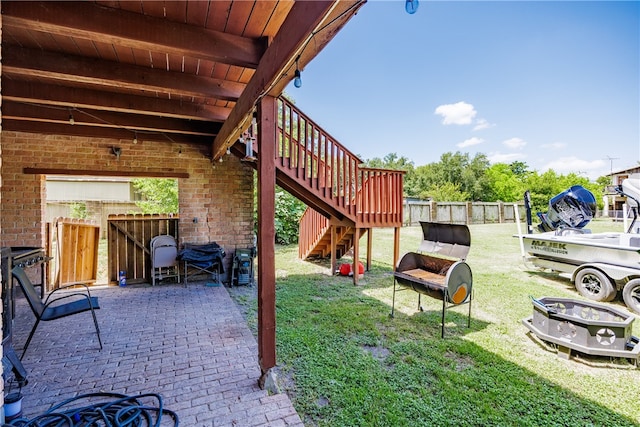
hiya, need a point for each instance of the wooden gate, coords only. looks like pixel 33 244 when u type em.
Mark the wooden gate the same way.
pixel 129 237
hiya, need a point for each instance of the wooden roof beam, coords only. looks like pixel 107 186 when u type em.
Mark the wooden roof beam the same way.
pixel 96 132
pixel 116 76
pixel 47 94
pixel 105 119
pixel 93 22
pixel 301 24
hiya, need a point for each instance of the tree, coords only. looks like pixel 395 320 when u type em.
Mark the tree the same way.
pixel 160 195
pixel 505 184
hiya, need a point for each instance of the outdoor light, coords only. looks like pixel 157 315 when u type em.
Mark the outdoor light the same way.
pixel 297 81
pixel 71 120
pixel 411 6
pixel 228 151
pixel 135 138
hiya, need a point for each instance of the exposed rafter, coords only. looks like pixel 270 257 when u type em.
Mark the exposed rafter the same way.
pixel 72 97
pixel 302 23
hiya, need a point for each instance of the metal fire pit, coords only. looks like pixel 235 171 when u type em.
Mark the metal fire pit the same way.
pixel 584 326
pixel 439 270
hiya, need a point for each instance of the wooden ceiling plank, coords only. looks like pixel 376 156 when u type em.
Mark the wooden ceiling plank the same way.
pixel 301 22
pixel 103 73
pixel 118 27
pixel 197 12
pixel 238 16
pixel 218 13
pixel 71 97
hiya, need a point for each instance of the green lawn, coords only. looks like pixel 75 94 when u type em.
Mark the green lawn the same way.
pixel 345 362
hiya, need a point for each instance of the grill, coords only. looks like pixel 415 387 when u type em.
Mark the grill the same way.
pixel 438 268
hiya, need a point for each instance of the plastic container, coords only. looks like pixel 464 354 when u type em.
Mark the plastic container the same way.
pixel 122 278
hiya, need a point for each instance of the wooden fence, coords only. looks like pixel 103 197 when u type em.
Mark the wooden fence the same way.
pixel 460 212
pixel 129 237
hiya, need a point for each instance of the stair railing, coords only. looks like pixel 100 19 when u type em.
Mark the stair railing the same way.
pixel 312 227
pixel 310 155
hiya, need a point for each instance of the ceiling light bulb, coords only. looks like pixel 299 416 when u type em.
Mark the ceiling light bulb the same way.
pixel 297 81
pixel 71 120
pixel 228 151
pixel 411 6
pixel 135 139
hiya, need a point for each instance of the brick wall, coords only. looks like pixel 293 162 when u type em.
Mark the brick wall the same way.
pixel 220 197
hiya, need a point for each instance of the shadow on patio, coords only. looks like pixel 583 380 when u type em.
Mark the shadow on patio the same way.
pixel 190 345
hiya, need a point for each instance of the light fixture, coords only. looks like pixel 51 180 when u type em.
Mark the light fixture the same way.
pixel 248 151
pixel 116 151
pixel 71 120
pixel 411 6
pixel 297 81
pixel 228 151
pixel 135 138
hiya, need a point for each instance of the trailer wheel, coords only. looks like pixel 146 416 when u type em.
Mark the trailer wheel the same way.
pixel 631 295
pixel 595 285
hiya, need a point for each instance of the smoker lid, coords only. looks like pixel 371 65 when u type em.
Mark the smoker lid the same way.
pixel 452 240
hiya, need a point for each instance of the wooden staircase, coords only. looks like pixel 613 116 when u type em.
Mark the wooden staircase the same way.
pixel 343 197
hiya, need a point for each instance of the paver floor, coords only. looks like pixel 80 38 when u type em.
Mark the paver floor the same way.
pixel 190 345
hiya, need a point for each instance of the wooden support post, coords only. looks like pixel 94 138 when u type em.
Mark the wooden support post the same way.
pixel 396 247
pixel 369 247
pixel 266 236
pixel 356 255
pixel 334 244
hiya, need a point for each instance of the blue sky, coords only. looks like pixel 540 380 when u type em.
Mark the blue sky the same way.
pixel 552 84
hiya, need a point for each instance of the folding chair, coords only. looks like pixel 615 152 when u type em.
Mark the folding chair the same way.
pixel 54 308
pixel 164 263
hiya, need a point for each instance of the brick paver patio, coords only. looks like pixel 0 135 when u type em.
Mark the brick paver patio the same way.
pixel 190 345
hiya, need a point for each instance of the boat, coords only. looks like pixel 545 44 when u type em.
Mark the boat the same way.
pixel 599 264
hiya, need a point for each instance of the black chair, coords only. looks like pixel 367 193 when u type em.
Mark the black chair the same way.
pixel 53 308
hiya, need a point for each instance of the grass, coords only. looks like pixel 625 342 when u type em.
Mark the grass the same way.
pixel 345 362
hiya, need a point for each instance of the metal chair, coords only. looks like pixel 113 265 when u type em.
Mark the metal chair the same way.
pixel 164 263
pixel 53 307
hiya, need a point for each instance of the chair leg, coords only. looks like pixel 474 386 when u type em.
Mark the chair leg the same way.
pixel 33 330
pixel 95 322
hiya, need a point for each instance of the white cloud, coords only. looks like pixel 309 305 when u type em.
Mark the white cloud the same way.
pixel 515 143
pixel 554 146
pixel 482 124
pixel 469 142
pixel 459 113
pixel 505 158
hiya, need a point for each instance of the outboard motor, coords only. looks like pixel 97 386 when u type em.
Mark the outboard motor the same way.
pixel 573 208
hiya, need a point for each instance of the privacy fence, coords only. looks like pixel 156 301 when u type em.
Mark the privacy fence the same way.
pixel 460 212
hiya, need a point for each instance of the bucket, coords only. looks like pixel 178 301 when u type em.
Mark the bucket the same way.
pixel 12 406
pixel 122 278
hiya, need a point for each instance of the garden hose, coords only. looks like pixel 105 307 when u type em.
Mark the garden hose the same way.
pixel 120 411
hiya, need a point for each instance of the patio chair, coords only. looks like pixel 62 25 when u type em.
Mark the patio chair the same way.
pixel 56 307
pixel 164 263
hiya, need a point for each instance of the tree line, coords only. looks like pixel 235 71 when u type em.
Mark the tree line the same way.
pixel 458 177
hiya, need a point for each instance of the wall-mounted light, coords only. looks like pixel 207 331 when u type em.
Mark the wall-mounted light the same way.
pixel 71 119
pixel 297 81
pixel 116 151
pixel 411 6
